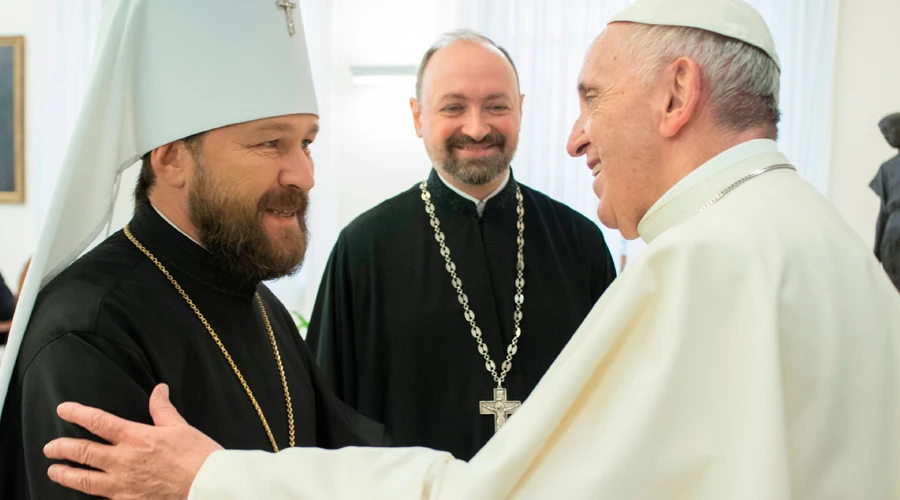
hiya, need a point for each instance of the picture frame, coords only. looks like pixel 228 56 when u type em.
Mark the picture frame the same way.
pixel 12 119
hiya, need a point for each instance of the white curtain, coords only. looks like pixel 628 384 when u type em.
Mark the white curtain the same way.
pixel 547 40
pixel 805 33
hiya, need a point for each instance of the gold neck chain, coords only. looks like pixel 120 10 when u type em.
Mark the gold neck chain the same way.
pixel 212 333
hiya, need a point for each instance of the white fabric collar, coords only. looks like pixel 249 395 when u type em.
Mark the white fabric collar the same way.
pixel 479 204
pixel 714 165
pixel 173 225
pixel 712 176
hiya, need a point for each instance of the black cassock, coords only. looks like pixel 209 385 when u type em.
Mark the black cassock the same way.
pixel 388 329
pixel 887 230
pixel 111 326
pixel 7 304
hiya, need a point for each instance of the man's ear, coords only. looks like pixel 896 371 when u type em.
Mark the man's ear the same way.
pixel 172 164
pixel 682 89
pixel 416 114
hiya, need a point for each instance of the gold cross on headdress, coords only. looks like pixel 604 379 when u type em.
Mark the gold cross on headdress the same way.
pixel 288 8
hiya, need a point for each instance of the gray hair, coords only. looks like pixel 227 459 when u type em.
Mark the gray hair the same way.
pixel 743 80
pixel 450 38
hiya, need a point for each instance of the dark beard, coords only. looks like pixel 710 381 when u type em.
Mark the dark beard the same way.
pixel 479 171
pixel 230 226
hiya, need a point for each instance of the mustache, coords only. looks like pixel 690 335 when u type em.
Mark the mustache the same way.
pixel 461 139
pixel 284 200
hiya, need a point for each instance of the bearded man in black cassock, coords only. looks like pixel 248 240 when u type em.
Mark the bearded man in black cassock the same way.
pixel 176 295
pixel 442 308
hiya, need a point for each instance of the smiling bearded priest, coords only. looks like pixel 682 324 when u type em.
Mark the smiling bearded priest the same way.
pixel 176 296
pixel 466 287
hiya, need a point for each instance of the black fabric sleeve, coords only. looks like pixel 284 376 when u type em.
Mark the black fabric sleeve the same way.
pixel 337 424
pixel 87 369
pixel 602 265
pixel 7 302
pixel 330 333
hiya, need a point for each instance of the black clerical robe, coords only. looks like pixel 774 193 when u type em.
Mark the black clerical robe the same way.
pixel 7 302
pixel 389 332
pixel 111 326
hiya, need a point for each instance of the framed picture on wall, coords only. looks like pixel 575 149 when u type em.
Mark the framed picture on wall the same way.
pixel 12 119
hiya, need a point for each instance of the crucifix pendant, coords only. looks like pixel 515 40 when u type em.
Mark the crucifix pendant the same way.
pixel 499 407
pixel 288 7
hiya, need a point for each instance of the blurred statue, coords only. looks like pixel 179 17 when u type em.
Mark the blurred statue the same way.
pixel 886 185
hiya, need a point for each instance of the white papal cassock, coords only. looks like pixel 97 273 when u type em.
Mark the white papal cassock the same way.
pixel 751 352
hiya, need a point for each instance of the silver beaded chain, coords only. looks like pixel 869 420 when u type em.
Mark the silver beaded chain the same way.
pixel 742 180
pixel 464 299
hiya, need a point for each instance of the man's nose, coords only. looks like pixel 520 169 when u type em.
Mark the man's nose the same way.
pixel 578 139
pixel 298 172
pixel 476 126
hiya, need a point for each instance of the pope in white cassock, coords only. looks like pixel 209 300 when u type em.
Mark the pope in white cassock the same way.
pixel 750 352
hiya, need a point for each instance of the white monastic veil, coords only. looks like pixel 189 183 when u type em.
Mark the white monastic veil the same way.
pixel 162 70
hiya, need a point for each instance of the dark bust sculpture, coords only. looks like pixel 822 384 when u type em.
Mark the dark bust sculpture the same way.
pixel 886 185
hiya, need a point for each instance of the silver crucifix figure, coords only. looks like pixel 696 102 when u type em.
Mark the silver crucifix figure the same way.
pixel 499 407
pixel 288 9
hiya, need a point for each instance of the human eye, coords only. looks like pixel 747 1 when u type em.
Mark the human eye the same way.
pixel 273 144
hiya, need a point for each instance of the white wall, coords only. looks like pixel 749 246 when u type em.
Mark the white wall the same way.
pixel 58 41
pixel 867 87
